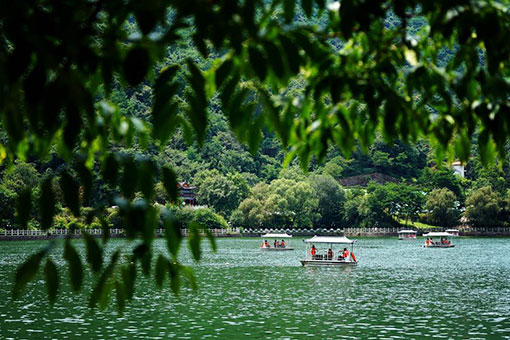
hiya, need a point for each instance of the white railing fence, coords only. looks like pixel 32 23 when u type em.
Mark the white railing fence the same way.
pixel 112 232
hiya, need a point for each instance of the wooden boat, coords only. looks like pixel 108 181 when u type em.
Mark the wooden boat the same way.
pixel 329 258
pixel 407 235
pixel 442 240
pixel 266 246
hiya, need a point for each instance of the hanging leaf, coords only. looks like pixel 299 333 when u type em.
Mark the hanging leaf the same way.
pixel 46 204
pixel 175 282
pixel 223 72
pixel 75 265
pixel 24 206
pixel 129 177
pixel 27 271
pixel 289 7
pixel 172 232
pixel 120 295
pixel 85 180
pixel 52 281
pixel 170 183
pixel 307 7
pixel 194 240
pixel 258 62
pixel 190 276
pixel 211 239
pixel 161 268
pixel 101 290
pixel 146 174
pixel 70 188
pixel 128 273
pixel 135 65
pixel 94 253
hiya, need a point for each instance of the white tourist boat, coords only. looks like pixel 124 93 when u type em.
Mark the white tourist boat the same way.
pixel 454 232
pixel 275 244
pixel 438 240
pixel 326 255
pixel 407 234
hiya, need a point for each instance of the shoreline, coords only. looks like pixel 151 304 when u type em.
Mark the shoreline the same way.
pixel 248 235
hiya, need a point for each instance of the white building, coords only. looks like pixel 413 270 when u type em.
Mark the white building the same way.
pixel 458 168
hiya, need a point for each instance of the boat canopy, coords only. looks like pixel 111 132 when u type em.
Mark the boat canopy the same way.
pixel 330 239
pixel 437 234
pixel 271 235
pixel 407 232
pixel 451 230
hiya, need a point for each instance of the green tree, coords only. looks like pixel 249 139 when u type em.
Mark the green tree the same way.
pixel 331 201
pixel 442 208
pixel 484 208
pixel 223 193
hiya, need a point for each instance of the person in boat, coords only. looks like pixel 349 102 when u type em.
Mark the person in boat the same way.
pixel 313 251
pixel 282 244
pixel 266 244
pixel 330 254
pixel 345 254
pixel 275 243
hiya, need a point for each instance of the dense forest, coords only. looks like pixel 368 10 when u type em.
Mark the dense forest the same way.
pixel 242 186
pixel 242 189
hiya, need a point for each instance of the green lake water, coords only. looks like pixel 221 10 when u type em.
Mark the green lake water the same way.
pixel 399 290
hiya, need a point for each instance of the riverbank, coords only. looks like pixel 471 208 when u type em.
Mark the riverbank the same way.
pixel 16 234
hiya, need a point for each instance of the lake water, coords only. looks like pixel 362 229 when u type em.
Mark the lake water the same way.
pixel 399 290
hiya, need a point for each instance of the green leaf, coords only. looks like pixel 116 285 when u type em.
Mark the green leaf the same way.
pixel 110 168
pixel 46 204
pixel 24 206
pixel 194 240
pixel 143 253
pixel 223 72
pixel 135 65
pixel 75 265
pixel 94 253
pixel 275 59
pixel 128 273
pixel 172 232
pixel 258 62
pixel 52 281
pixel 27 271
pixel 70 188
pixel 190 275
pixel 101 290
pixel 289 8
pixel 197 112
pixel 85 180
pixel 129 177
pixel 211 239
pixel 146 174
pixel 161 268
pixel 170 183
pixel 307 7
pixel 291 54
pixel 166 76
pixel 120 295
pixel 175 282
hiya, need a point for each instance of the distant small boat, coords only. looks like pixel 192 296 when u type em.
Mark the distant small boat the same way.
pixel 454 232
pixel 407 235
pixel 442 240
pixel 277 246
pixel 328 258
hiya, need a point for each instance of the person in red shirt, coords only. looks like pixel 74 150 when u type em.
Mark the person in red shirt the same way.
pixel 313 251
pixel 345 254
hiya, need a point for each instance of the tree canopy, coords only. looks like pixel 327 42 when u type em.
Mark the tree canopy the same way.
pixel 313 73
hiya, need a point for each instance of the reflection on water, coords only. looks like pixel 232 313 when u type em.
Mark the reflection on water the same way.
pixel 398 290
